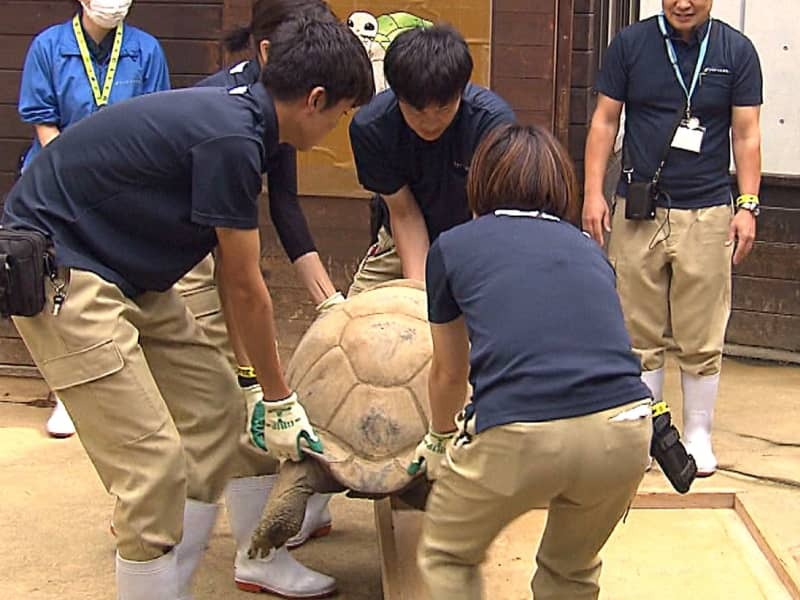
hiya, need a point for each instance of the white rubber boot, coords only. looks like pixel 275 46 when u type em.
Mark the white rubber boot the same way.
pixel 277 573
pixel 59 425
pixel 699 397
pixel 655 381
pixel 149 580
pixel 316 522
pixel 198 521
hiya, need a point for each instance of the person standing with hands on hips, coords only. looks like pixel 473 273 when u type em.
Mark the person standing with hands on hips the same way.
pixel 559 415
pixel 75 69
pixel 690 85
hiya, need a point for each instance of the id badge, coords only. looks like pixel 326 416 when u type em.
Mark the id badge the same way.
pixel 689 136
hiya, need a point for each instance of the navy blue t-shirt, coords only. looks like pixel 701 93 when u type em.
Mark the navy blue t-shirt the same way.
pixel 389 154
pixel 134 192
pixel 287 216
pixel 637 71
pixel 548 340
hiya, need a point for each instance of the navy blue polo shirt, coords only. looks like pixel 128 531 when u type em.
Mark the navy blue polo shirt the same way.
pixel 548 340
pixel 637 71
pixel 134 192
pixel 285 211
pixel 389 154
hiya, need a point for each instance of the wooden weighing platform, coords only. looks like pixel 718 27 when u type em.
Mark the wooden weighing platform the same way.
pixel 702 546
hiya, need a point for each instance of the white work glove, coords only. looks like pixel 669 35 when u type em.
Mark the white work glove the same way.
pixel 429 454
pixel 280 426
pixel 330 302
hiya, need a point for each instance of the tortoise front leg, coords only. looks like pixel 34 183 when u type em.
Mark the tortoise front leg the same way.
pixel 286 505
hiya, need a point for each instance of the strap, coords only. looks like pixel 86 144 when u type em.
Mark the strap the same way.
pixel 5 285
pixel 627 168
pixel 100 98
pixel 673 58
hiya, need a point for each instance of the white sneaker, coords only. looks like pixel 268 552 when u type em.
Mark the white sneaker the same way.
pixel 280 574
pixel 59 425
pixel 316 522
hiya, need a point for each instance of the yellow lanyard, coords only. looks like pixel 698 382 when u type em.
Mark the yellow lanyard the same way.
pixel 99 99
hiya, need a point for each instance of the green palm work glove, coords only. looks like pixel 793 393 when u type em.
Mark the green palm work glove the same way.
pixel 280 427
pixel 429 454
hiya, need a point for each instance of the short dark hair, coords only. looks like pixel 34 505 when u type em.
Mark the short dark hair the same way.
pixel 526 168
pixel 428 65
pixel 268 14
pixel 306 53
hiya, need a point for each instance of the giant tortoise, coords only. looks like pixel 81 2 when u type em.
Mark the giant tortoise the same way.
pixel 361 372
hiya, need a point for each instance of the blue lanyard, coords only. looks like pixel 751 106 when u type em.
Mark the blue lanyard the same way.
pixel 673 58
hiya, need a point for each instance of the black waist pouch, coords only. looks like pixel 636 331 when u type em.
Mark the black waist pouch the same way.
pixel 23 258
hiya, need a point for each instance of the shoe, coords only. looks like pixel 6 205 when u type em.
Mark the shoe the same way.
pixel 59 425
pixel 198 521
pixel 316 522
pixel 699 398
pixel 278 573
pixel 148 580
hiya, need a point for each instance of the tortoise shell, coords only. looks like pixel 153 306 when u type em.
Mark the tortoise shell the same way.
pixel 361 372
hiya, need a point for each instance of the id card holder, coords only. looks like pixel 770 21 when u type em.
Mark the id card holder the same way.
pixel 689 136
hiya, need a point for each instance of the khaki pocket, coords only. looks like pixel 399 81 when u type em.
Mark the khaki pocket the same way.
pixel 82 366
pixel 203 302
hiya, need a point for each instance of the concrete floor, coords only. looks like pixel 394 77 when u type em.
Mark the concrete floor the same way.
pixel 55 513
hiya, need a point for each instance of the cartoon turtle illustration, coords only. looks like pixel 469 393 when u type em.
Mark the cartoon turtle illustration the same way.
pixel 393 24
pixel 376 33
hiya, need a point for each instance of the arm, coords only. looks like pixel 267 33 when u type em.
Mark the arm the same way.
pixel 292 228
pixel 409 232
pixel 248 304
pixel 156 73
pixel 46 133
pixel 746 138
pixel 38 100
pixel 447 381
pixel 599 145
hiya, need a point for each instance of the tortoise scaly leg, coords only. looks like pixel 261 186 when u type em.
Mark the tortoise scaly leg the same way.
pixel 286 506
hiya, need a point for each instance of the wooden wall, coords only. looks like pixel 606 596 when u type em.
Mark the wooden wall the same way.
pixel 531 44
pixel 766 287
pixel 192 49
pixel 530 67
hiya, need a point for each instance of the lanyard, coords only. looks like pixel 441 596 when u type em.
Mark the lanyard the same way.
pixel 673 58
pixel 100 99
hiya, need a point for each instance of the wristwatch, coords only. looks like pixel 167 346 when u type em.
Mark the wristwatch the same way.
pixel 752 207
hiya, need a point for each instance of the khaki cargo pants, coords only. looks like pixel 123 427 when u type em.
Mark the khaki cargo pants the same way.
pixel 198 288
pixel 150 396
pixel 675 269
pixel 381 264
pixel 585 470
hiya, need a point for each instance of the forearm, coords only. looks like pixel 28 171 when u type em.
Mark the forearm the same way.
pixel 411 238
pixel 46 133
pixel 237 345
pixel 250 315
pixel 599 145
pixel 314 276
pixel 747 156
pixel 447 392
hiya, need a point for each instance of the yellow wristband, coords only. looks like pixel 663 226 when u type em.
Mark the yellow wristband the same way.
pixel 245 371
pixel 746 199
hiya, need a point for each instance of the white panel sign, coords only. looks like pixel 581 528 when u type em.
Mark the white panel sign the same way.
pixel 775 31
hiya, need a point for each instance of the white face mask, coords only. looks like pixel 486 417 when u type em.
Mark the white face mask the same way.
pixel 107 13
